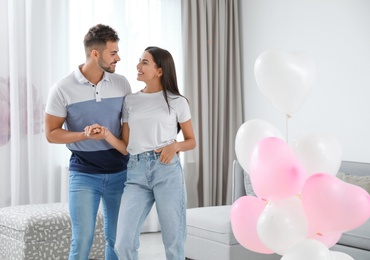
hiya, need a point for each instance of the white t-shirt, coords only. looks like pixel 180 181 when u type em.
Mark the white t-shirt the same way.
pixel 152 125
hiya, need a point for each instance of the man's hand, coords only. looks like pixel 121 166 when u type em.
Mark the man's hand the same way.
pixel 96 132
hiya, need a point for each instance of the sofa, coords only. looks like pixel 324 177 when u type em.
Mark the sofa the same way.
pixel 209 233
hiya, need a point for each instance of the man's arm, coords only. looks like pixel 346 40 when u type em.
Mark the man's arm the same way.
pixel 56 134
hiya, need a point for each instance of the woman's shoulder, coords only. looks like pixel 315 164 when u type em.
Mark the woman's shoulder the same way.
pixel 176 98
pixel 134 95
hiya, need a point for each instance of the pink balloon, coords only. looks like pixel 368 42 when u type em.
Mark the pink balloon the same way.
pixel 248 136
pixel 244 215
pixel 275 173
pixel 332 205
pixel 329 239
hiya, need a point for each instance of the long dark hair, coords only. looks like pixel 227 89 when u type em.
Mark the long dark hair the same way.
pixel 163 59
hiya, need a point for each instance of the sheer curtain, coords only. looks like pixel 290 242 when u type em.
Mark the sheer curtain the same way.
pixel 212 63
pixel 32 57
pixel 40 43
pixel 139 24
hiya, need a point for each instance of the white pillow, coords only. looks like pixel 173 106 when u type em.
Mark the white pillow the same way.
pixel 248 185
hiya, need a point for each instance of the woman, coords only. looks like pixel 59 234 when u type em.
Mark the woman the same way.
pixel 151 119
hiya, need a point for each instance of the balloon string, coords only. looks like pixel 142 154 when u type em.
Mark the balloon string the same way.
pixel 286 126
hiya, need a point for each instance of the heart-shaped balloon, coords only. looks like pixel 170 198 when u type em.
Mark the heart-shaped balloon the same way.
pixel 329 239
pixel 244 215
pixel 275 172
pixel 332 205
pixel 282 224
pixel 318 153
pixel 336 255
pixel 248 135
pixel 308 249
pixel 285 78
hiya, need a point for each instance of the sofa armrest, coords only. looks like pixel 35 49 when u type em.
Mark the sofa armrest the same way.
pixel 355 168
pixel 238 189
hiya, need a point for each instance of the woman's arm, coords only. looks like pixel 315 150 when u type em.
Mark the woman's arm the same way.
pixel 119 144
pixel 125 133
pixel 189 143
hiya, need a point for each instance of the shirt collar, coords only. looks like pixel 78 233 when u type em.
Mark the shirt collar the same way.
pixel 81 78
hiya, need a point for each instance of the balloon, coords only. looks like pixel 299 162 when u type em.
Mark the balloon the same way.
pixel 318 153
pixel 282 224
pixel 244 215
pixel 332 205
pixel 248 136
pixel 308 249
pixel 285 78
pixel 329 239
pixel 275 172
pixel 335 255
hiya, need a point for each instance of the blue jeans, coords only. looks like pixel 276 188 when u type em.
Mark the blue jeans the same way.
pixel 85 192
pixel 149 180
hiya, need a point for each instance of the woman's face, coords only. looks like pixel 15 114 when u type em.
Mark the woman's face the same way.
pixel 147 69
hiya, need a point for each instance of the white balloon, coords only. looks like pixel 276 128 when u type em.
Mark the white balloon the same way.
pixel 248 135
pixel 335 255
pixel 285 78
pixel 282 224
pixel 308 249
pixel 319 153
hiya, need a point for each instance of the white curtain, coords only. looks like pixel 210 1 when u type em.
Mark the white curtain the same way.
pixel 32 56
pixel 139 23
pixel 40 43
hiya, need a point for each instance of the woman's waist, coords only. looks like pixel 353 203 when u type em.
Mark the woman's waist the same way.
pixel 135 149
pixel 145 155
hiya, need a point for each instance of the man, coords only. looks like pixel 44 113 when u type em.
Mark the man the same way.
pixel 91 95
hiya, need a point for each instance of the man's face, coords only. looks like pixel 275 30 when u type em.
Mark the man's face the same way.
pixel 109 57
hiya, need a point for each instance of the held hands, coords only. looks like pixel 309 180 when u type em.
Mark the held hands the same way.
pixel 96 132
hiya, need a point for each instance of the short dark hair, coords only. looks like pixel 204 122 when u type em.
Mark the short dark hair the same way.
pixel 100 34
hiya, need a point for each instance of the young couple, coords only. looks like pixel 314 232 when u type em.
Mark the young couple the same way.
pixel 139 156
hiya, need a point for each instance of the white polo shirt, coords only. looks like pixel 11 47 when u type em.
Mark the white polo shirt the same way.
pixel 82 103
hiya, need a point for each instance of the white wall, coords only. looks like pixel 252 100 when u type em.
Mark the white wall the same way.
pixel 336 35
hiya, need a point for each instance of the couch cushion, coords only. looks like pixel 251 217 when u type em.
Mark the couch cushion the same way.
pixel 248 185
pixel 211 223
pixel 359 237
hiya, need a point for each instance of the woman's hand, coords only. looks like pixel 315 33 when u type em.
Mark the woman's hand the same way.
pixel 96 132
pixel 167 153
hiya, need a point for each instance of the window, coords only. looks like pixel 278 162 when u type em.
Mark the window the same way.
pixel 139 24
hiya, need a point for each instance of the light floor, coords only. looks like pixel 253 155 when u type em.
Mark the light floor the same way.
pixel 151 247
